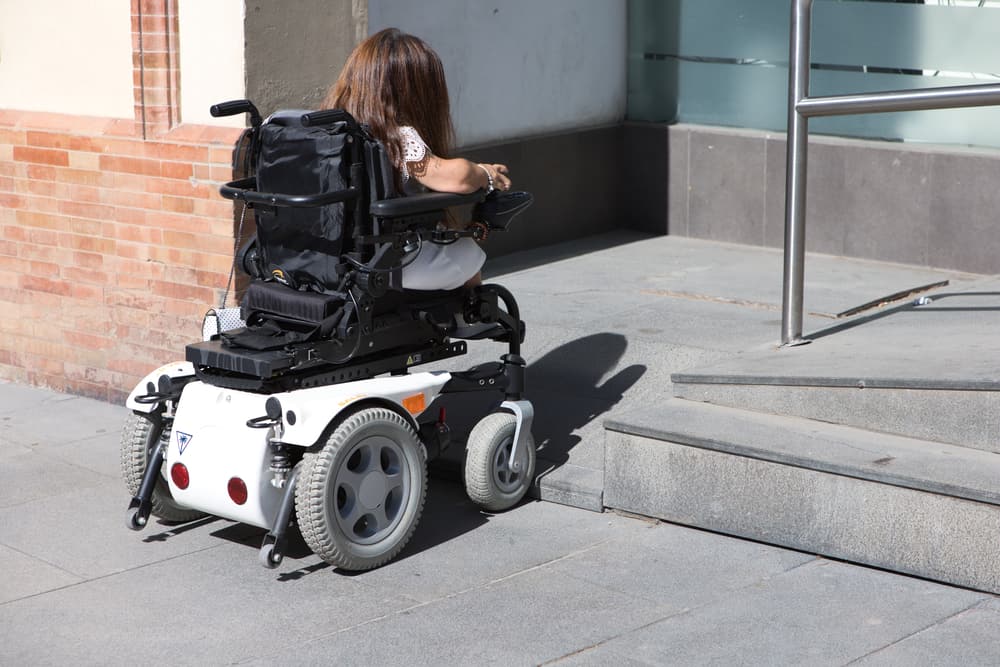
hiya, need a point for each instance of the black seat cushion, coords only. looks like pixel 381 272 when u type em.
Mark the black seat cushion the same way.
pixel 277 301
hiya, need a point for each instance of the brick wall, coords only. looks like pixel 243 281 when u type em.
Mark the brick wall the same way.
pixel 113 237
pixel 111 247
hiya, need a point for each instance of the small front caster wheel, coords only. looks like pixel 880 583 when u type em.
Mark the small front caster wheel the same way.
pixel 133 521
pixel 490 480
pixel 270 557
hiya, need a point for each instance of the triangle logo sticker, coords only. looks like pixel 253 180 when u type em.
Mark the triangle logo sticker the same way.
pixel 183 440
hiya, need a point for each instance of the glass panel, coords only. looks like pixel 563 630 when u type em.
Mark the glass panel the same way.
pixel 907 36
pixel 724 62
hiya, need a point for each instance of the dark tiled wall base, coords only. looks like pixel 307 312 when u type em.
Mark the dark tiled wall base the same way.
pixel 575 178
pixel 929 206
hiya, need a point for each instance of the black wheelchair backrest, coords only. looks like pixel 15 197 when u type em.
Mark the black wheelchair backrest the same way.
pixel 302 245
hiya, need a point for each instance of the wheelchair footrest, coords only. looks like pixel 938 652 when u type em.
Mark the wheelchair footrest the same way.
pixel 313 375
pixel 257 363
pixel 480 331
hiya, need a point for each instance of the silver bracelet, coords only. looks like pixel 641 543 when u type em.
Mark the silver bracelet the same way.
pixel 489 179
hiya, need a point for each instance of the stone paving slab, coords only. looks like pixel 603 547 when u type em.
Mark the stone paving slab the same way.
pixel 27 477
pixel 834 613
pixel 968 638
pixel 529 619
pixel 25 576
pixel 950 343
pixel 670 565
pixel 58 419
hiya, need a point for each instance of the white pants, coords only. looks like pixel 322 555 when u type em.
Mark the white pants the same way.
pixel 444 267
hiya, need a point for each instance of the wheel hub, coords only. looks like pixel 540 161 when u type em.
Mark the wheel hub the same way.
pixel 373 490
pixel 505 477
pixel 371 486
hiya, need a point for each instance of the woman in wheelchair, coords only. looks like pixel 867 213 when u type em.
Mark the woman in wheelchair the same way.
pixel 394 83
pixel 314 414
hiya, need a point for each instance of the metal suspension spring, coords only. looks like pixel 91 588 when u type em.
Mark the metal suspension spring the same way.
pixel 281 459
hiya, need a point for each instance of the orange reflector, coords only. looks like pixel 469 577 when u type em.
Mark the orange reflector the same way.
pixel 415 404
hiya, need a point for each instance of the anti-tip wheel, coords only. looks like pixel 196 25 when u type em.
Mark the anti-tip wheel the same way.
pixel 360 494
pixel 269 557
pixel 139 439
pixel 133 521
pixel 490 481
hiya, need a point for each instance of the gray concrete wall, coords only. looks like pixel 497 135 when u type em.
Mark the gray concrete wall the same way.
pixel 295 50
pixel 925 205
pixel 521 68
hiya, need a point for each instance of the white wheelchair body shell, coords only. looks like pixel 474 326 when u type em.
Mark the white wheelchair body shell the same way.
pixel 211 438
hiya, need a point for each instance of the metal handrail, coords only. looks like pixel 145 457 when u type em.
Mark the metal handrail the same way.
pixel 801 107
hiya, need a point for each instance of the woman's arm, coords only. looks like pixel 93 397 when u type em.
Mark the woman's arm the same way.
pixel 457 174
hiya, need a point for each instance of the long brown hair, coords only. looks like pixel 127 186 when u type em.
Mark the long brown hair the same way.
pixel 393 79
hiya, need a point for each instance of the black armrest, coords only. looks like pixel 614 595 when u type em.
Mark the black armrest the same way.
pixel 243 189
pixel 423 203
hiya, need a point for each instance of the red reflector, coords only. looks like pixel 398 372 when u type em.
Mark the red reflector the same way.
pixel 179 473
pixel 238 490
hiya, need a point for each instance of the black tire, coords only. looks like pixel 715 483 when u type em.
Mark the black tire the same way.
pixel 360 494
pixel 489 480
pixel 139 438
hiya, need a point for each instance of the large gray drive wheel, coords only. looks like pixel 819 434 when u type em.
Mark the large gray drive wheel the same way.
pixel 490 482
pixel 139 438
pixel 359 495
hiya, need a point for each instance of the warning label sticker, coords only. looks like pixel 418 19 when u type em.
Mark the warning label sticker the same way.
pixel 183 440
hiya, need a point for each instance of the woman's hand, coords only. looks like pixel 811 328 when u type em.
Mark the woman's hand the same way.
pixel 498 175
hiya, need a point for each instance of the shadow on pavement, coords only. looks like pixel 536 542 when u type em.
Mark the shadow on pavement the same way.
pixel 170 530
pixel 447 514
pixel 566 388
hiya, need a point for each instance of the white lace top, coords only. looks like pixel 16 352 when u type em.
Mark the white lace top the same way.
pixel 414 150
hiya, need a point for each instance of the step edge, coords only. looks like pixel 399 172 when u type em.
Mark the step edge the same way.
pixel 871 474
pixel 849 382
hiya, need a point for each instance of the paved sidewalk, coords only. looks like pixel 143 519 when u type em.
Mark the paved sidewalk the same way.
pixel 614 316
pixel 542 583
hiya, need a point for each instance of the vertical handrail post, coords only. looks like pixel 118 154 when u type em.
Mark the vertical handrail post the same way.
pixel 795 177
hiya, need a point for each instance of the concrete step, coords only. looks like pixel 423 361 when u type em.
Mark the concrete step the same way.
pixel 962 411
pixel 913 506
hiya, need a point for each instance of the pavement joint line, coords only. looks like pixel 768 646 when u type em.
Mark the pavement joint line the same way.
pixel 681 612
pixel 50 454
pixel 84 580
pixel 933 624
pixel 6 430
pixel 448 596
pixel 586 649
pixel 749 585
pixel 691 296
pixel 78 487
pixel 42 560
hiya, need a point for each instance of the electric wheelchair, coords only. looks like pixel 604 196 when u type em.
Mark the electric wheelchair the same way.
pixel 314 413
